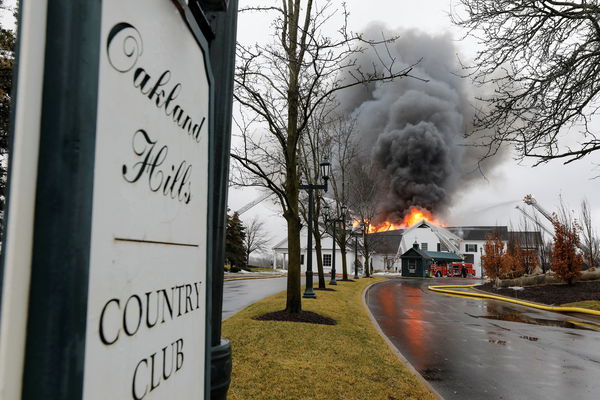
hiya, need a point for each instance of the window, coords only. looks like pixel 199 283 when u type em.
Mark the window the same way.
pixel 301 259
pixel 327 260
pixel 424 246
pixel 412 266
pixel 441 247
pixel 471 248
pixel 469 258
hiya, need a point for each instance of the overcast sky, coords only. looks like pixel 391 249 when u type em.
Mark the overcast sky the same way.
pixel 493 198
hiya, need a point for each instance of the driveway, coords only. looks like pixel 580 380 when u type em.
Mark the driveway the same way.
pixel 485 349
pixel 238 294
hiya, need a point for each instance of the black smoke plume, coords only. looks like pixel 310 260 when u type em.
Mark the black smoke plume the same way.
pixel 413 129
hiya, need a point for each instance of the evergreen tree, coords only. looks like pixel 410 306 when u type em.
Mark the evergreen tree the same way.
pixel 7 46
pixel 235 236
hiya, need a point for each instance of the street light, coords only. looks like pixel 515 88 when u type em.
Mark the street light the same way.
pixel 325 169
pixel 334 221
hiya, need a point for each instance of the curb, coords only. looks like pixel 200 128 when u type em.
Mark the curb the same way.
pixel 400 356
pixel 251 277
pixel 444 289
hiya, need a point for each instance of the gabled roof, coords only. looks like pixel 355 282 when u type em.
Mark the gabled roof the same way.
pixel 326 242
pixel 416 252
pixel 529 238
pixel 448 238
pixel 281 245
pixel 478 232
pixel 444 256
pixel 386 242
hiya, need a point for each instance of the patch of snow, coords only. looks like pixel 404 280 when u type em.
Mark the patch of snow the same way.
pixel 386 274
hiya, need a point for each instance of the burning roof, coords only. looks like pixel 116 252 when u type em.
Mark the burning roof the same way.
pixel 414 216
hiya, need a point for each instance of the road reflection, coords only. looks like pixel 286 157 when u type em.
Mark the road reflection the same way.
pixel 480 349
pixel 500 312
pixel 406 307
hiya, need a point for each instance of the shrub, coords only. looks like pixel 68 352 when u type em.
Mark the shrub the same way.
pixel 491 261
pixel 566 258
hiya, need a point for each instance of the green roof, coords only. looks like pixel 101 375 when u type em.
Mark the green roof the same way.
pixel 443 255
pixel 419 252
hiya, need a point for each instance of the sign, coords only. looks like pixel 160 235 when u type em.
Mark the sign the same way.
pixel 147 284
pixel 106 278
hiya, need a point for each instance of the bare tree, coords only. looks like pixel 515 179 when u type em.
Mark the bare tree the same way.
pixel 279 86
pixel 590 243
pixel 315 147
pixel 344 150
pixel 363 203
pixel 542 59
pixel 256 237
pixel 545 255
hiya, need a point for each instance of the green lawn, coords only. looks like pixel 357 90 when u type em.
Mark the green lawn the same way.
pixel 260 269
pixel 290 360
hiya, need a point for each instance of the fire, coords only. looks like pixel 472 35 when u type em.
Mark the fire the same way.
pixel 384 227
pixel 417 215
pixel 414 216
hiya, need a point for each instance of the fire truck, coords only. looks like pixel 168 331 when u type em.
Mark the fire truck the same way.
pixel 452 269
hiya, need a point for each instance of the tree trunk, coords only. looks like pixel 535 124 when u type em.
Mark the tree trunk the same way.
pixel 366 266
pixel 292 181
pixel 319 251
pixel 292 214
pixel 294 295
pixel 344 263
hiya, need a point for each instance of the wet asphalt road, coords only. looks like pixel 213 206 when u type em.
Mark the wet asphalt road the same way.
pixel 486 349
pixel 241 293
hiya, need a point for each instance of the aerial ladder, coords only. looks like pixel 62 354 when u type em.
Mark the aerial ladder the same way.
pixel 450 240
pixel 251 204
pixel 530 200
pixel 535 221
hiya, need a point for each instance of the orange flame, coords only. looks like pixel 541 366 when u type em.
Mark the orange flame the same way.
pixel 414 216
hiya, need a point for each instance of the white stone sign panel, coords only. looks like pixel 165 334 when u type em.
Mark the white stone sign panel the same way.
pixel 147 294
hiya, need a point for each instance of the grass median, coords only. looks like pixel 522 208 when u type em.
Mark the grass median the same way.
pixel 291 360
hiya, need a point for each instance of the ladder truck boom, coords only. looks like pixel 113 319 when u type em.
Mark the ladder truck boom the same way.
pixel 535 221
pixel 251 204
pixel 530 200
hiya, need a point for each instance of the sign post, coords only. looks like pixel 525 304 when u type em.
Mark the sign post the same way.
pixel 112 239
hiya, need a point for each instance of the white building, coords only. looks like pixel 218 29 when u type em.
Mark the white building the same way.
pixel 280 255
pixel 464 241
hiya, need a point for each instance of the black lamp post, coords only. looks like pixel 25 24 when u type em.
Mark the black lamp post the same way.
pixel 356 235
pixel 334 221
pixel 325 168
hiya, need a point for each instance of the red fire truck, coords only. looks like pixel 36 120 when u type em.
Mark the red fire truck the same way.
pixel 452 269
